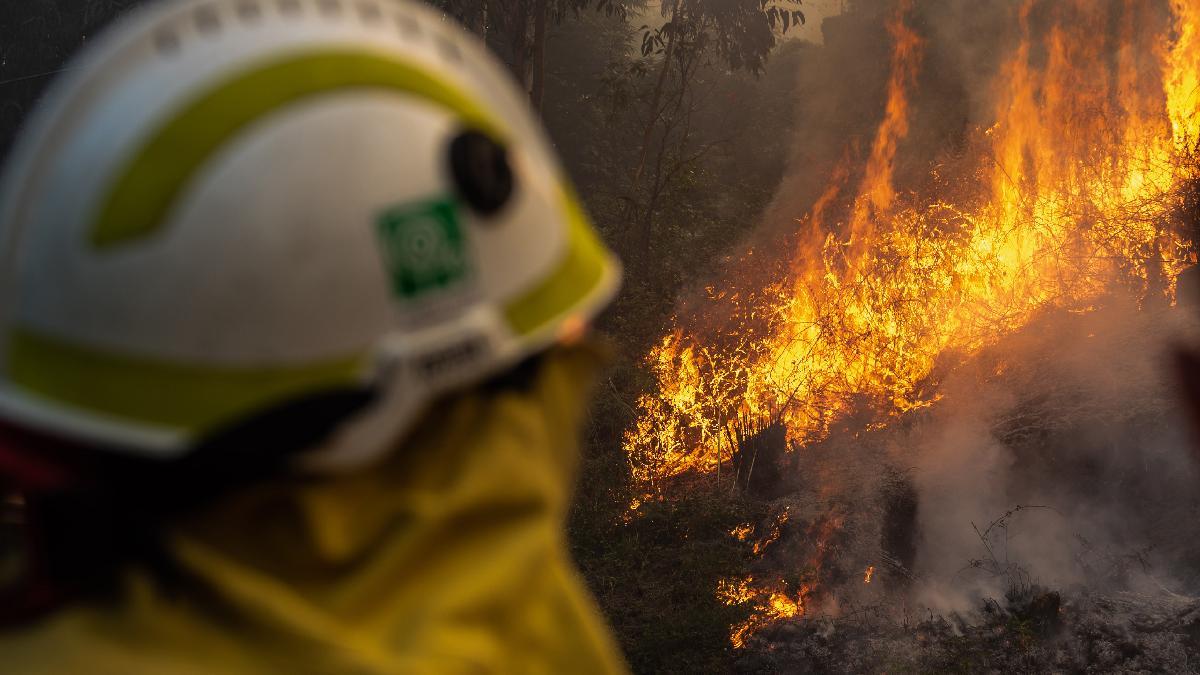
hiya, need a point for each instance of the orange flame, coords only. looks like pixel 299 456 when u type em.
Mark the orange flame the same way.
pixel 1071 196
pixel 876 194
pixel 772 535
pixel 742 531
pixel 774 608
pixel 771 600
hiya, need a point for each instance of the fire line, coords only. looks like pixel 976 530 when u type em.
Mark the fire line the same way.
pixel 1070 192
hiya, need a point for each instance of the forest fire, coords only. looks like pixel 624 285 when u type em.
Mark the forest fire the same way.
pixel 1072 192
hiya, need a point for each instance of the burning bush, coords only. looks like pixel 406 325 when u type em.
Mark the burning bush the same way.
pixel 1074 189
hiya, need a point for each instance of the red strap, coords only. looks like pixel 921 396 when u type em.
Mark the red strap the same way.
pixel 31 466
pixel 27 461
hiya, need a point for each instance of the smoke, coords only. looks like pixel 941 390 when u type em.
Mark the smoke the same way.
pixel 841 88
pixel 1059 457
pixel 1075 420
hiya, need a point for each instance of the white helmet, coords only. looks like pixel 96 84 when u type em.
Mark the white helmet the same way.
pixel 229 205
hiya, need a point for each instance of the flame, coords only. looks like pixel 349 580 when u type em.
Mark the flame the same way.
pixel 869 573
pixel 1069 194
pixel 770 607
pixel 772 535
pixel 771 600
pixel 776 607
pixel 1182 77
pixel 876 194
pixel 1067 197
pixel 735 591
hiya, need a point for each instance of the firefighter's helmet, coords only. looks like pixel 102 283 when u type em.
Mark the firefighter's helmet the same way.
pixel 225 206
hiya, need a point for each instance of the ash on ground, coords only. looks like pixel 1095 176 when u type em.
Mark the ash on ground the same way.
pixel 1037 633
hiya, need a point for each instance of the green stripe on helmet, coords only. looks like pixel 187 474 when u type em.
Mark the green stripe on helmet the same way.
pixel 195 398
pixel 188 397
pixel 139 202
pixel 579 273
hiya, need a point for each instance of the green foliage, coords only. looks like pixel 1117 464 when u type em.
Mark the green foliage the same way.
pixel 743 32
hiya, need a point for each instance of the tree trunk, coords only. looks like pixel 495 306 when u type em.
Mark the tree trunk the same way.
pixel 507 35
pixel 656 101
pixel 520 44
pixel 539 56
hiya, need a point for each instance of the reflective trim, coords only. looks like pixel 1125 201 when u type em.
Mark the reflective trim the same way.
pixel 162 393
pixel 139 201
pixel 576 277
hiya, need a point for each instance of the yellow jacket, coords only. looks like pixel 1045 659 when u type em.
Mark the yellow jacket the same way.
pixel 448 558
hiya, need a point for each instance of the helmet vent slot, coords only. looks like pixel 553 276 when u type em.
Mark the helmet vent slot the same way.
pixel 448 49
pixel 289 7
pixel 369 12
pixel 408 25
pixel 329 7
pixel 207 19
pixel 248 10
pixel 167 43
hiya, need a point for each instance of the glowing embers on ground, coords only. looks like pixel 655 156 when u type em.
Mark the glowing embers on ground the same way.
pixel 774 600
pixel 1073 189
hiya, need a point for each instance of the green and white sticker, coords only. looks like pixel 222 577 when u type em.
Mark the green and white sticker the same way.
pixel 425 247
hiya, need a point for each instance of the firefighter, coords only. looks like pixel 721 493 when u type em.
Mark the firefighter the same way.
pixel 292 355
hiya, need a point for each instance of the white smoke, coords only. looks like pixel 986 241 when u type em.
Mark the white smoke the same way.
pixel 1075 420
